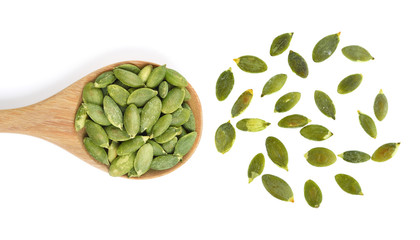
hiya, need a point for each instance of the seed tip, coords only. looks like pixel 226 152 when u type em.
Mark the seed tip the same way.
pixel 250 180
pixel 305 155
pixel 230 69
pixel 292 199
pixel 236 60
pixel 381 92
pixel 360 193
pixel 339 33
pixel 341 155
pixel 358 111
pixel 250 91
pixel 291 34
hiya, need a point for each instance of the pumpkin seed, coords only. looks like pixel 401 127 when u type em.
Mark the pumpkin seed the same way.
pixel 187 96
pixel 163 89
pixel 225 137
pixel 224 84
pixel 145 73
pixel 156 76
pixel 132 120
pixel 349 83
pixel 348 184
pixel 97 134
pixel 170 146
pixel 183 133
pixel 298 64
pixel 116 134
pixel 316 132
pixel 112 151
pixel 256 167
pixel 92 95
pixel 175 78
pixel 150 114
pixel 287 102
pixel 367 124
pixel 164 162
pixel 119 83
pixel 113 112
pixel 354 156
pixel 293 121
pixel 180 116
pixel 357 53
pixel 313 194
pixel 97 114
pixel 184 144
pixel 143 159
pixel 325 47
pixel 277 187
pixel 161 125
pixel 385 152
pixel 252 124
pixel 157 148
pixel 277 152
pixel 119 94
pixel 320 157
pixel 131 145
pixel 242 103
pixel 251 64
pixel 380 106
pixel 141 96
pixel 280 44
pixel 190 124
pixel 128 78
pixel 98 153
pixel 173 100
pixel 170 133
pixel 324 104
pixel 122 165
pixel 129 67
pixel 132 173
pixel 80 118
pixel 274 84
pixel 105 79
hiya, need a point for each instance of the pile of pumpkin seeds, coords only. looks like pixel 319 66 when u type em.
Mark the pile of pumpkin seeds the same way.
pixel 137 119
pixel 276 150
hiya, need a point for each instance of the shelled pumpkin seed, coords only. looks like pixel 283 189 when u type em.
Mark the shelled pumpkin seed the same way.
pixel 287 102
pixel 313 194
pixel 354 156
pixel 251 64
pixel 380 106
pixel 274 84
pixel 280 44
pixel 298 64
pixel 385 152
pixel 277 187
pixel 320 157
pixel 225 137
pixel 325 47
pixel 293 121
pixel 324 104
pixel 348 184
pixel 277 152
pixel 252 124
pixel 349 83
pixel 256 167
pixel 224 84
pixel 242 102
pixel 356 53
pixel 367 124
pixel 315 132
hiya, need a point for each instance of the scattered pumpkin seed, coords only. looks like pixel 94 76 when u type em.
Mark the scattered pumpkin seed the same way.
pixel 287 102
pixel 98 153
pixel 143 159
pixel 105 79
pixel 256 167
pixel 357 53
pixel 252 124
pixel 97 114
pixel 277 187
pixel 92 95
pixel 113 112
pixel 119 94
pixel 80 119
pixel 315 132
pixel 277 152
pixel 274 84
pixel 224 84
pixel 349 83
pixel 354 156
pixel 251 64
pixel 163 89
pixel 242 103
pixel 173 100
pixel 129 67
pixel 128 78
pixel 225 137
pixel 280 44
pixel 164 162
pixel 122 165
pixel 97 134
pixel 298 64
pixel 145 73
pixel 367 124
pixel 385 152
pixel 150 113
pixel 293 121
pixel 175 78
pixel 184 144
pixel 313 194
pixel 380 106
pixel 324 104
pixel 141 96
pixel 156 76
pixel 320 157
pixel 348 184
pixel 131 145
pixel 325 47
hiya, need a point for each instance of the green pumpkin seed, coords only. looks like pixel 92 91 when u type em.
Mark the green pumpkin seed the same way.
pixel 97 114
pixel 325 47
pixel 157 148
pixel 128 78
pixel 175 78
pixel 380 106
pixel 131 145
pixel 129 67
pixel 280 44
pixel 163 89
pixel 180 116
pixel 277 152
pixel 190 124
pixel 97 134
pixel 112 151
pixel 164 162
pixel 274 84
pixel 320 157
pixel 256 167
pixel 252 124
pixel 349 83
pixel 156 76
pixel 357 53
pixel 242 103
pixel 143 159
pixel 145 73
pixel 367 124
pixel 277 187
pixel 169 147
pixel 119 94
pixel 161 125
pixel 170 133
pixel 385 152
pixel 324 104
pixel 316 132
pixel 354 156
pixel 183 132
pixel 92 95
pixel 150 114
pixel 348 184
pixel 105 79
pixel 132 120
pixel 80 118
pixel 187 96
pixel 225 137
pixel 113 112
pixel 141 96
pixel 293 121
pixel 287 102
pixel 313 194
pixel 116 134
pixel 132 173
pixel 298 64
pixel 122 165
pixel 98 153
pixel 119 83
pixel 224 84
pixel 173 100
pixel 184 144
pixel 251 64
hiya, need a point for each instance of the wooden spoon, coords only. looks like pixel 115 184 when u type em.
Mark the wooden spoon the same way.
pixel 53 120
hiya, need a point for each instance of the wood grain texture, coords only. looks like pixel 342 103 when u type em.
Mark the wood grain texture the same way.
pixel 53 120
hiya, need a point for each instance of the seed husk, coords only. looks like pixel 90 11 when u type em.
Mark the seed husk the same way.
pixel 324 104
pixel 92 95
pixel 141 96
pixel 251 64
pixel 98 153
pixel 242 103
pixel 225 137
pixel 224 84
pixel 145 73
pixel 156 76
pixel 180 116
pixel 113 112
pixel 252 124
pixel 190 124
pixel 349 83
pixel 150 113
pixel 175 78
pixel 277 152
pixel 170 146
pixel 80 118
pixel 315 132
pixel 320 157
pixel 163 89
pixel 313 194
pixel 128 78
pixel 356 53
pixel 354 156
pixel 132 120
pixel 129 67
pixel 119 94
pixel 367 124
pixel 277 187
pixel 173 100
pixel 287 102
pixel 280 44
pixel 122 165
pixel 348 184
pixel 325 47
pixel 105 79
pixel 170 133
pixel 143 159
pixel 380 106
pixel 298 64
pixel 116 134
pixel 293 121
pixel 184 144
pixel 385 152
pixel 97 114
pixel 161 125
pixel 274 84
pixel 131 145
pixel 112 150
pixel 97 134
pixel 256 167
pixel 164 162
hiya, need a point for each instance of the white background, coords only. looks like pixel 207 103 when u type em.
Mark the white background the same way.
pixel 47 193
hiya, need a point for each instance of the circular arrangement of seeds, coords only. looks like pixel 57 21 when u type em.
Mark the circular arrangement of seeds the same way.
pixel 276 150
